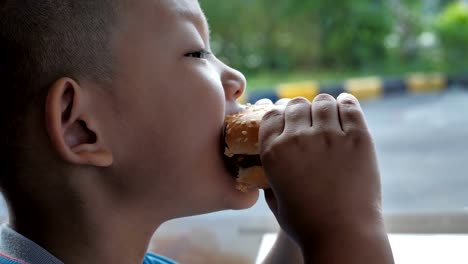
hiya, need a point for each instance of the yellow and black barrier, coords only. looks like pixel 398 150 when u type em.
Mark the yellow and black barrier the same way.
pixel 365 88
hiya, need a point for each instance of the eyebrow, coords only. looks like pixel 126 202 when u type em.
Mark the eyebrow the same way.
pixel 197 19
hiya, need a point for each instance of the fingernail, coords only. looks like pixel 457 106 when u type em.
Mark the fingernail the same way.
pixel 342 95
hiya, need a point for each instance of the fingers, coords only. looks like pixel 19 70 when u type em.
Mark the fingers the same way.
pixel 297 115
pixel 350 112
pixel 271 200
pixel 283 101
pixel 325 113
pixel 273 121
pixel 272 125
pixel 264 101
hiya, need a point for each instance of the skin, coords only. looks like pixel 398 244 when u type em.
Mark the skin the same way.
pixel 320 161
pixel 128 157
pixel 118 160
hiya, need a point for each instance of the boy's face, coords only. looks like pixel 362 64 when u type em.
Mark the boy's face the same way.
pixel 170 101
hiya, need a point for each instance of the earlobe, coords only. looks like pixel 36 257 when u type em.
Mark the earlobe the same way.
pixel 90 155
pixel 72 128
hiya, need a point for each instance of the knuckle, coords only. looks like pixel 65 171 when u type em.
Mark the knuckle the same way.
pixel 351 112
pixel 328 137
pixel 331 133
pixel 322 110
pixel 292 136
pixel 294 115
pixel 359 136
pixel 359 133
pixel 268 154
pixel 271 152
pixel 295 138
pixel 272 114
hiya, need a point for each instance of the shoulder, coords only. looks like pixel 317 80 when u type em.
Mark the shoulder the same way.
pixel 5 259
pixel 152 258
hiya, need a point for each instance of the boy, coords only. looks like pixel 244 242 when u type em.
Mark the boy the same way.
pixel 113 115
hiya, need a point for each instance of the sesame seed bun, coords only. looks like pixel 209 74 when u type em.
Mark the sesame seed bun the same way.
pixel 252 177
pixel 241 137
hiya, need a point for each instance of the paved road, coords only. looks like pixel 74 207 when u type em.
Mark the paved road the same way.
pixel 422 144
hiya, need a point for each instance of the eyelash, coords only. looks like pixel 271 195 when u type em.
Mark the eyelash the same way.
pixel 201 54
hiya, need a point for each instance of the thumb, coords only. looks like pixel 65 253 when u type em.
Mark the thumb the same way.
pixel 271 200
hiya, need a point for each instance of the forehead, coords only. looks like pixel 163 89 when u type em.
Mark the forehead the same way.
pixel 182 8
pixel 189 10
pixel 190 5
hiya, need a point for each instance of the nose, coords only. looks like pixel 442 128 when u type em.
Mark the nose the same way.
pixel 234 83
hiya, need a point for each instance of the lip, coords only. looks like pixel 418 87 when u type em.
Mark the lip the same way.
pixel 228 164
pixel 234 108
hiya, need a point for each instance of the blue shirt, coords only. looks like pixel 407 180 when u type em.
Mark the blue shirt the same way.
pixel 17 249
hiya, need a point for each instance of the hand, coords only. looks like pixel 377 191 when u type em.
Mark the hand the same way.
pixel 320 161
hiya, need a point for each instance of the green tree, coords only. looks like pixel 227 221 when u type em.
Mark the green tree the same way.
pixel 452 29
pixel 289 35
pixel 352 33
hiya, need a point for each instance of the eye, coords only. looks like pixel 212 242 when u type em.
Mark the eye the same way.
pixel 201 54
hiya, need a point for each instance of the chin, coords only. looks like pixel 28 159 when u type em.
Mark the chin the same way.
pixel 218 179
pixel 247 202
pixel 232 198
pixel 243 200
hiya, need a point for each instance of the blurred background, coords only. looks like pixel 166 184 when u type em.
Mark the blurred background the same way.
pixel 421 139
pixel 290 40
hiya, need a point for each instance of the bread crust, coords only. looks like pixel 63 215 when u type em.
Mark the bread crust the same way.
pixel 252 178
pixel 242 129
pixel 242 138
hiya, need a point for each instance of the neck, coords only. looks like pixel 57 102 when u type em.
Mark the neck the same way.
pixel 84 228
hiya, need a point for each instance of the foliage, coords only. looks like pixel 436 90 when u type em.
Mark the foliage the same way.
pixel 258 36
pixel 452 28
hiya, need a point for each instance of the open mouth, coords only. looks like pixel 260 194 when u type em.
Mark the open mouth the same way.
pixel 246 161
pixel 230 166
pixel 233 169
pixel 238 161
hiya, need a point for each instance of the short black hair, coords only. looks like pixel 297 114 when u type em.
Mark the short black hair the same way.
pixel 44 40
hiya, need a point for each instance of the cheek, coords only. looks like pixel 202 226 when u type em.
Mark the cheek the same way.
pixel 198 99
pixel 199 122
pixel 175 122
pixel 190 115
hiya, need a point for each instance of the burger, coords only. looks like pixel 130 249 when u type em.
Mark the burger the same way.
pixel 242 147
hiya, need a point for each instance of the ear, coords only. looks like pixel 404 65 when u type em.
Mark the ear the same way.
pixel 72 128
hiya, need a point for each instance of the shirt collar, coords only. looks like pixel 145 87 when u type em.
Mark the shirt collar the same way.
pixel 19 247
